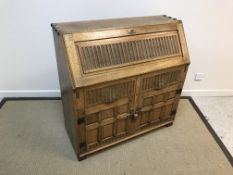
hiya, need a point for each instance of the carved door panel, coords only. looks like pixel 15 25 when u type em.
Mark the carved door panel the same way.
pixel 107 112
pixel 157 98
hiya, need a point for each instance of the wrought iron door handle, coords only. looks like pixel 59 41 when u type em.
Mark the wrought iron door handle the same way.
pixel 135 114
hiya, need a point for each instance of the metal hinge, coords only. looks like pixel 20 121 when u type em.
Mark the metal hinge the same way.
pixel 178 91
pixel 81 120
pixel 173 112
pixel 82 145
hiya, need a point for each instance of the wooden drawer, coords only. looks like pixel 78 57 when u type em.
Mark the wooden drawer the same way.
pixel 110 92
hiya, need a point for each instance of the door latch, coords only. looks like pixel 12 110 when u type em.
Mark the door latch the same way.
pixel 135 114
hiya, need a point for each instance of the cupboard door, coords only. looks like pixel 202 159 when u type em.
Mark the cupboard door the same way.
pixel 156 107
pixel 158 94
pixel 107 112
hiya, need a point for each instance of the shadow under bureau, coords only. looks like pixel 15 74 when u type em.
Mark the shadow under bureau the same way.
pixel 119 78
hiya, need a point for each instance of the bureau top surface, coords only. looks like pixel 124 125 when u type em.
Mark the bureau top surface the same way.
pixel 108 24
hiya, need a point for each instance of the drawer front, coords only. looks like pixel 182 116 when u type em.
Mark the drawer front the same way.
pixel 110 93
pixel 156 81
pixel 107 112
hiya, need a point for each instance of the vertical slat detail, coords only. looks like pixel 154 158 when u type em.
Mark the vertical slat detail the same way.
pixel 160 81
pixel 105 55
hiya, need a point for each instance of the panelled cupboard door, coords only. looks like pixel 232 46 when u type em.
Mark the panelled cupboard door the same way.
pixel 157 97
pixel 107 111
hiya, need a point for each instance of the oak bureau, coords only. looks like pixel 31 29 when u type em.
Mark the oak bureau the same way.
pixel 119 78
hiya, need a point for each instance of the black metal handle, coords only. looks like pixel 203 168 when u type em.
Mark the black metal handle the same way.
pixel 135 114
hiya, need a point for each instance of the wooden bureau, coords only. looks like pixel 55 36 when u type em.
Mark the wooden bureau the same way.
pixel 119 78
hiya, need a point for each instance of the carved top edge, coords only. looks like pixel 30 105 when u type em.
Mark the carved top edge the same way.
pixel 109 24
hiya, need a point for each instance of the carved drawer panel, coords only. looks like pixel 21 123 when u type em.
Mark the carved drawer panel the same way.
pixel 109 93
pixel 156 82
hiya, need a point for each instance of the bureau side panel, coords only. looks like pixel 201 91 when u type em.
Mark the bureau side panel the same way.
pixel 181 85
pixel 67 94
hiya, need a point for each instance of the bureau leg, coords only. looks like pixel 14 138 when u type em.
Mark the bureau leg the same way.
pixel 82 158
pixel 169 124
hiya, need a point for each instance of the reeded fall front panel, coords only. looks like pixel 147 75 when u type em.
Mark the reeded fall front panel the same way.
pixel 121 51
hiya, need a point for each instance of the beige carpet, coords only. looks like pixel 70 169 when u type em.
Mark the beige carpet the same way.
pixel 33 141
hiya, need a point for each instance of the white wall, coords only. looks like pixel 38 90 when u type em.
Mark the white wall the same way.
pixel 27 57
